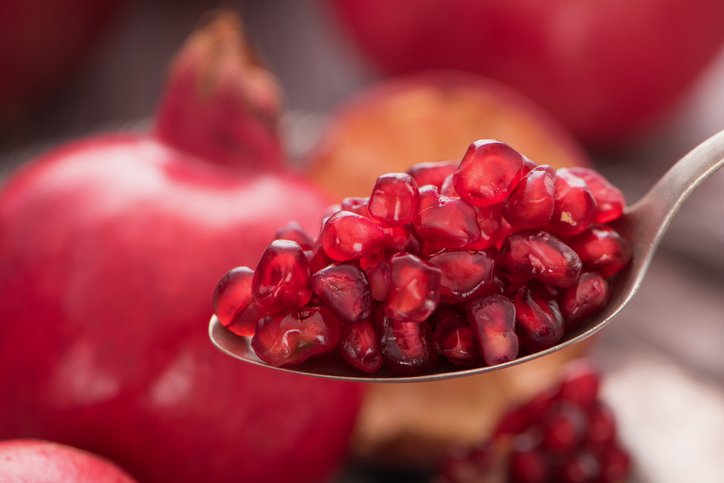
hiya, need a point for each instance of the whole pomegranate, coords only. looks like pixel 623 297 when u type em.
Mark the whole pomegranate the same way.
pixel 607 69
pixel 110 249
pixel 33 461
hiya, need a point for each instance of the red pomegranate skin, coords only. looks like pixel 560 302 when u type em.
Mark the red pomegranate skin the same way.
pixel 110 250
pixel 609 70
pixel 33 461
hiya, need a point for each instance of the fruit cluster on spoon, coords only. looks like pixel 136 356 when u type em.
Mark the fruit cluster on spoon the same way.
pixel 478 261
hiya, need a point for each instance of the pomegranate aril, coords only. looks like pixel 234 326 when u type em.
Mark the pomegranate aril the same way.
pixel 446 222
pixel 528 466
pixel 455 339
pixel 585 299
pixel 610 202
pixel 448 188
pixel 538 320
pixel 574 204
pixel 406 346
pixel 465 274
pixel 291 337
pixel 615 466
pixel 356 205
pixel 293 231
pixel 234 303
pixel 318 259
pixel 360 346
pixel 488 172
pixel 601 433
pixel 345 290
pixel 579 384
pixel 493 319
pixel 348 236
pixel 414 288
pixel 379 276
pixel 432 173
pixel 539 254
pixel 601 249
pixel 564 428
pixel 490 222
pixel 282 279
pixel 395 200
pixel 531 203
pixel 401 239
pixel 580 467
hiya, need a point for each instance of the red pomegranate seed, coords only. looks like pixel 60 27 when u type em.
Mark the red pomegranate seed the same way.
pixel 345 290
pixel 294 232
pixel 531 203
pixel 538 254
pixel 493 319
pixel 601 249
pixel 601 433
pixel 446 222
pixel 455 339
pixel 610 202
pixel 580 467
pixel 360 346
pixel 282 279
pixel 564 427
pixel 406 346
pixel 585 299
pixel 490 222
pixel 432 173
pixel 615 466
pixel 448 188
pixel 414 288
pixel 395 200
pixel 579 384
pixel 291 337
pixel 356 205
pixel 401 239
pixel 348 236
pixel 318 259
pixel 465 274
pixel 379 276
pixel 234 303
pixel 528 466
pixel 538 320
pixel 574 204
pixel 488 173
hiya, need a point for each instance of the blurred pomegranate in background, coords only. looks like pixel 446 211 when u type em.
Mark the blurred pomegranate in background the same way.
pixel 31 461
pixel 608 70
pixel 110 250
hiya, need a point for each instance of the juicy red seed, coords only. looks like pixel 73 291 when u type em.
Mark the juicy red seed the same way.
pixel 579 384
pixel 319 259
pixel 601 249
pixel 585 299
pixel 465 273
pixel 291 337
pixel 348 236
pixel 610 202
pixel 446 222
pixel 528 466
pixel 345 290
pixel 490 223
pixel 448 188
pixel 294 232
pixel 395 200
pixel 432 173
pixel 401 239
pixel 538 320
pixel 356 205
pixel 406 346
pixel 514 421
pixel 360 346
pixel 574 204
pixel 615 466
pixel 455 339
pixel 379 276
pixel 564 427
pixel 601 433
pixel 538 254
pixel 488 173
pixel 234 303
pixel 531 203
pixel 493 319
pixel 580 467
pixel 282 279
pixel 414 288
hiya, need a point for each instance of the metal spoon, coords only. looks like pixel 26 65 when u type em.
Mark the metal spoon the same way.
pixel 643 223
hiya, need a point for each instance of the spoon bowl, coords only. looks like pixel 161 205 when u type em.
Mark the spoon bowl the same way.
pixel 643 224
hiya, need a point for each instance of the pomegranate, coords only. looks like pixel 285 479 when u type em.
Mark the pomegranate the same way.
pixel 33 461
pixel 608 71
pixel 110 248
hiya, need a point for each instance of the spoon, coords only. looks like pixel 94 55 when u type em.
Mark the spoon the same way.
pixel 643 224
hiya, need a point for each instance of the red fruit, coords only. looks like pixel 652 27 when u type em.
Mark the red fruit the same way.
pixel 345 290
pixel 401 239
pixel 610 202
pixel 531 203
pixel 446 222
pixel 574 204
pixel 465 274
pixel 491 226
pixel 348 236
pixel 34 461
pixel 379 276
pixel 580 384
pixel 433 173
pixel 406 346
pixel 291 337
pixel 414 288
pixel 564 427
pixel 601 249
pixel 488 173
pixel 580 467
pixel 528 466
pixel 585 299
pixel 615 465
pixel 493 319
pixel 538 320
pixel 360 346
pixel 110 249
pixel 395 200
pixel 455 339
pixel 537 253
pixel 607 71
pixel 234 303
pixel 293 231
pixel 355 204
pixel 282 279
pixel 601 434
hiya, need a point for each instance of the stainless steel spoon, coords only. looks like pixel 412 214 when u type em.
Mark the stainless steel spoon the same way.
pixel 643 223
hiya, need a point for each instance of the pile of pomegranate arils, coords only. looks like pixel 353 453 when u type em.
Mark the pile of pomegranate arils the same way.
pixel 477 261
pixel 566 434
